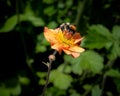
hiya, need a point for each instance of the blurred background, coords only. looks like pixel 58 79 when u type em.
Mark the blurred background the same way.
pixel 23 48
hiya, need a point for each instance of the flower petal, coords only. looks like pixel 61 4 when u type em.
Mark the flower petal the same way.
pixel 77 37
pixel 50 34
pixel 73 54
pixel 57 47
pixel 76 49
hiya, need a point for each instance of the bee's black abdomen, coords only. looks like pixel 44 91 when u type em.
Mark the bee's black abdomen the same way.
pixel 67 27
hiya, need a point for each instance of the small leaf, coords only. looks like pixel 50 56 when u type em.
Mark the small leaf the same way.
pixel 87 87
pixel 116 32
pixel 48 1
pixel 76 68
pixel 4 92
pixel 41 43
pixel 75 94
pixel 9 24
pixel 88 60
pixel 41 82
pixel 45 42
pixel 50 10
pixel 52 25
pixel 114 51
pixel 92 61
pixel 69 3
pixel 24 80
pixel 96 91
pixel 41 74
pixel 68 58
pixel 28 10
pixel 64 68
pixel 16 90
pixel 40 48
pixel 12 22
pixel 117 83
pixel 54 91
pixel 60 80
pixel 36 21
pixel 100 29
pixel 113 73
pixel 30 16
pixel 97 37
pixel 61 5
pixel 29 61
pixel 42 40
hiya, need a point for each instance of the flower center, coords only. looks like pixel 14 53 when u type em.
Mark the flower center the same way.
pixel 66 38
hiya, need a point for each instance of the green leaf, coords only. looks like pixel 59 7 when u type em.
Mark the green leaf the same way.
pixel 113 73
pixel 15 90
pixel 117 83
pixel 41 44
pixel 50 10
pixel 116 32
pixel 60 80
pixel 96 91
pixel 41 40
pixel 40 48
pixel 98 37
pixel 12 22
pixel 4 92
pixel 30 16
pixel 76 68
pixel 53 91
pixel 61 5
pixel 68 59
pixel 69 3
pixel 87 87
pixel 36 21
pixel 40 37
pixel 100 29
pixel 24 80
pixel 41 74
pixel 9 24
pixel 48 1
pixel 52 24
pixel 45 42
pixel 41 81
pixel 64 68
pixel 90 60
pixel 75 94
pixel 114 51
pixel 28 10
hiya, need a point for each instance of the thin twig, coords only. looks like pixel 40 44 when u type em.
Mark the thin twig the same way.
pixel 103 84
pixel 109 65
pixel 48 73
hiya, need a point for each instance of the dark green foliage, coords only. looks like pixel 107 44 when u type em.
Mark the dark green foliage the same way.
pixel 23 48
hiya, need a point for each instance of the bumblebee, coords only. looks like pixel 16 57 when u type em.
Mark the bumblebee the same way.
pixel 68 28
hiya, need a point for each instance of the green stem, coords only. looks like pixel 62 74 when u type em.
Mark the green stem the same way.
pixel 80 10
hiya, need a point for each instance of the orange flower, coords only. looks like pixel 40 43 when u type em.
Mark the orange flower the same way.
pixel 64 41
